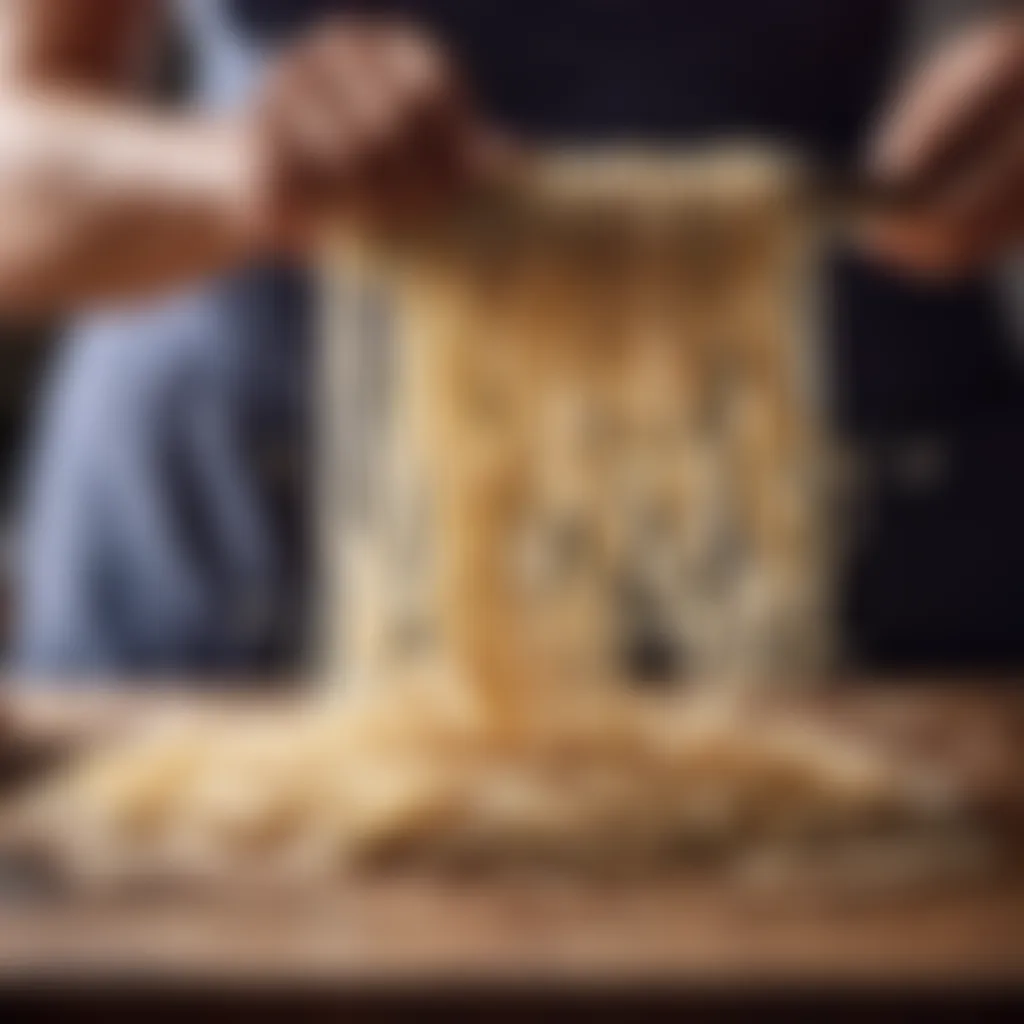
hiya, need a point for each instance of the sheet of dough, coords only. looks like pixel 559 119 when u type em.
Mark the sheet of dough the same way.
pixel 602 430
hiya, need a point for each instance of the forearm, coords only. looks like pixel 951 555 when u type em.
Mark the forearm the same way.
pixel 99 201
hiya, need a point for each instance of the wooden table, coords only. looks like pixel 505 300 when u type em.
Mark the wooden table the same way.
pixel 680 938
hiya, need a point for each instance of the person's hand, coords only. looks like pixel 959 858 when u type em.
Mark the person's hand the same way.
pixel 364 123
pixel 954 136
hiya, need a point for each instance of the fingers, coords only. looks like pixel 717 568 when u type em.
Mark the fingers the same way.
pixel 418 147
pixel 370 122
pixel 975 218
pixel 955 138
pixel 956 99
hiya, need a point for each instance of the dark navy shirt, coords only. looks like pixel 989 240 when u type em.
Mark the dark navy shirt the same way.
pixel 166 503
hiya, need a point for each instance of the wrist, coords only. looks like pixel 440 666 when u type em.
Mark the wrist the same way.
pixel 247 191
pixel 259 217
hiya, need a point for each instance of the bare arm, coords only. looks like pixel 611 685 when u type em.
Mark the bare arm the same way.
pixel 104 197
pixel 101 197
pixel 957 128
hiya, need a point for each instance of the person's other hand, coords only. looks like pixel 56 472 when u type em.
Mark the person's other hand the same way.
pixel 365 123
pixel 955 137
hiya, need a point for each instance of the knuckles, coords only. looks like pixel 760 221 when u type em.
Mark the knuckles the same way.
pixel 407 75
pixel 390 95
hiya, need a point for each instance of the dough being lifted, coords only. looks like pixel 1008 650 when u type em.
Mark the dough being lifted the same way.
pixel 573 447
pixel 575 435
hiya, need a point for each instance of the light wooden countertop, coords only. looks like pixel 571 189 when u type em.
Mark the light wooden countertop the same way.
pixel 678 933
